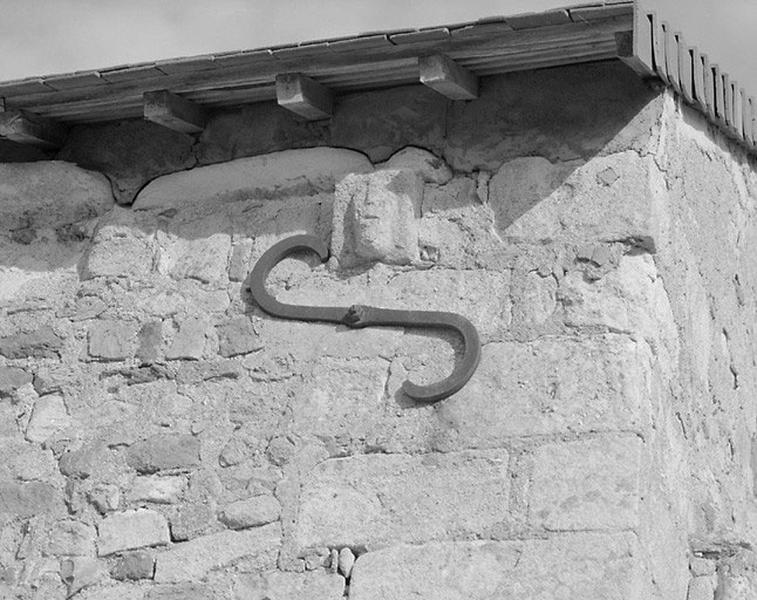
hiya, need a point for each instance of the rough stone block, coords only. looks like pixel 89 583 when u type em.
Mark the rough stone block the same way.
pixel 192 520
pixel 192 560
pixel 42 343
pixel 703 588
pixel 197 250
pixel 274 175
pixel 377 499
pixel 163 452
pixel 12 378
pixel 252 512
pixel 108 591
pixel 375 217
pixel 130 530
pixel 277 585
pixel 149 339
pixel 587 484
pixel 48 418
pixel 536 201
pixel 180 591
pixel 581 565
pixel 110 148
pixel 50 194
pixel 111 340
pixel 430 167
pixel 238 336
pixel 189 341
pixel 80 572
pixel 72 538
pixel 105 497
pixel 121 247
pixel 24 500
pixel 134 565
pixel 161 490
pixel 548 386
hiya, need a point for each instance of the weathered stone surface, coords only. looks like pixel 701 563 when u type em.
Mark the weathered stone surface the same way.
pixel 375 217
pixel 12 378
pixel 581 565
pixel 192 560
pixel 703 588
pixel 592 483
pixel 82 462
pixel 80 572
pixel 376 499
pixel 122 247
pixel 42 343
pixel 380 123
pixel 50 194
pixel 346 561
pixel 164 451
pixel 189 340
pixel 291 172
pixel 28 499
pixel 107 591
pixel 536 201
pixel 603 107
pixel 149 338
pixel 111 340
pixel 48 418
pixel 289 586
pixel 191 521
pixel 198 249
pixel 256 129
pixel 105 497
pixel 431 168
pixel 551 385
pixel 112 149
pixel 161 490
pixel 72 538
pixel 180 591
pixel 238 336
pixel 252 512
pixel 134 565
pixel 130 530
pixel 702 566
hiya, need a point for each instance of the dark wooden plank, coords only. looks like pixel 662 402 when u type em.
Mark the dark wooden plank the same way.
pixel 20 87
pixel 174 112
pixel 697 78
pixel 538 19
pixel 727 96
pixel 444 75
pixel 422 36
pixel 253 59
pixel 304 96
pixel 587 14
pixel 302 52
pixel 26 128
pixel 751 122
pixel 131 73
pixel 71 81
pixel 188 64
pixel 671 57
pixel 709 87
pixel 624 50
pixel 361 44
pixel 658 48
pixel 738 111
pixel 685 68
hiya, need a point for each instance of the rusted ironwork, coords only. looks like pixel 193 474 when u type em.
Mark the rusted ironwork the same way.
pixel 358 316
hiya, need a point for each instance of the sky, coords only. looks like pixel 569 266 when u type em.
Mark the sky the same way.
pixel 40 37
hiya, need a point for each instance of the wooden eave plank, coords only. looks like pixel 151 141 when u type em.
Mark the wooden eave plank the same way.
pixel 685 68
pixel 303 52
pixel 587 14
pixel 717 92
pixel 697 77
pixel 422 36
pixel 190 64
pixel 480 31
pixel 131 73
pixel 671 57
pixel 709 86
pixel 658 48
pixel 251 60
pixel 738 111
pixel 539 19
pixel 751 122
pixel 361 44
pixel 21 87
pixel 75 81
pixel 727 97
pixel 624 50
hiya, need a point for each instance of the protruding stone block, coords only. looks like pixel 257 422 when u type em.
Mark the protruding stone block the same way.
pixel 375 217
pixel 163 452
pixel 26 128
pixel 277 585
pixel 111 340
pixel 304 96
pixel 252 512
pixel 48 418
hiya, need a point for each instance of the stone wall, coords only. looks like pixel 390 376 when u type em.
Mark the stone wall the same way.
pixel 166 439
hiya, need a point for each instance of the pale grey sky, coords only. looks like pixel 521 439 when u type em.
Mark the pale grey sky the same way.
pixel 39 37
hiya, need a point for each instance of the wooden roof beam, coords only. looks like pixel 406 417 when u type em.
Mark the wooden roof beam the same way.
pixel 444 75
pixel 174 112
pixel 304 96
pixel 27 128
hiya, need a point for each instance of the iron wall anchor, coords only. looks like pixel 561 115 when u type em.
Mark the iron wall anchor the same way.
pixel 358 316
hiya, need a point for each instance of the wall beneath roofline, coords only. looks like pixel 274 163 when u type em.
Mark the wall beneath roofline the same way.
pixel 164 438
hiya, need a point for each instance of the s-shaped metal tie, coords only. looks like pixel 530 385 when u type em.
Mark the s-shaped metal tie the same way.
pixel 358 316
